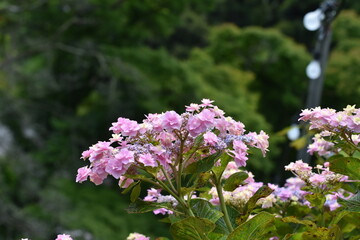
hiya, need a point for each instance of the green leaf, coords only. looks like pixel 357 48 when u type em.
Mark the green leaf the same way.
pixel 234 181
pixel 191 228
pixel 345 148
pixel 140 206
pixel 198 140
pixel 202 179
pixel 292 219
pixel 136 176
pixel 347 166
pixel 316 199
pixel 126 190
pixel 204 209
pixel 335 233
pixel 282 228
pixel 262 192
pixel 253 229
pixel 319 233
pixel 287 236
pixel 175 218
pixel 185 191
pixel 135 193
pixel 350 186
pixel 216 236
pixel 338 216
pixel 204 164
pixel 221 226
pixel 218 170
pixel 352 204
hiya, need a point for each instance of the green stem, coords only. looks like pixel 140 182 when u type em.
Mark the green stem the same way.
pixel 222 203
pixel 322 219
pixel 147 180
pixel 180 166
pixel 160 184
pixel 177 197
pixel 168 179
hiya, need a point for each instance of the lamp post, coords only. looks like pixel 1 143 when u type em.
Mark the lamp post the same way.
pixel 320 20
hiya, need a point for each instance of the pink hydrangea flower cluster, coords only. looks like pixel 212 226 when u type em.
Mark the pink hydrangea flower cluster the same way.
pixel 321 146
pixel 155 196
pixel 331 199
pixel 291 191
pixel 137 236
pixel 63 237
pixel 342 124
pixel 242 193
pixel 323 179
pixel 331 120
pixel 161 139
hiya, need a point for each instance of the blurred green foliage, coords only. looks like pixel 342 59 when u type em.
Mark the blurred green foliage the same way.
pixel 70 68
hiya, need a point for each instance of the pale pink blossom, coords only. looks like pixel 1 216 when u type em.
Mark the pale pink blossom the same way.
pixel 230 169
pixel 207 117
pixel 218 112
pixel 240 150
pixel 147 160
pixel 355 139
pixel 137 236
pixel 118 165
pixel 298 166
pixel 206 103
pixel 241 158
pixel 273 186
pixel 160 155
pixel 99 151
pixel 259 141
pixel 210 138
pixel 284 194
pixel 317 179
pixel 320 145
pixel 152 195
pixel 98 171
pixel 221 124
pixel 196 126
pixel 63 237
pixel 166 139
pixel 125 182
pixel 96 178
pixel 234 127
pixel 329 119
pixel 125 126
pixel 86 154
pixel 171 121
pixel 82 174
pixel 162 211
pixel 155 120
pixel 193 107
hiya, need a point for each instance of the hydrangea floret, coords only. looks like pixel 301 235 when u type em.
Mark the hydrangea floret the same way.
pixel 334 128
pixel 163 146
